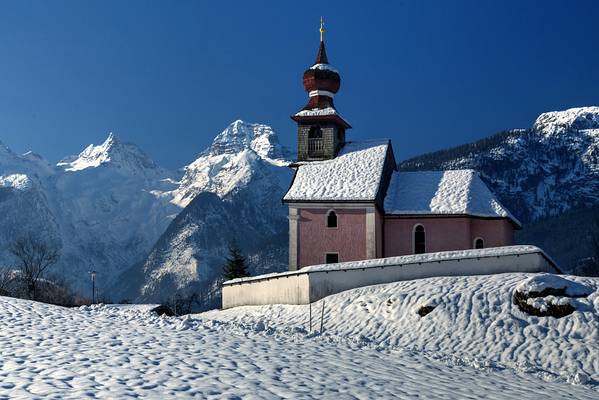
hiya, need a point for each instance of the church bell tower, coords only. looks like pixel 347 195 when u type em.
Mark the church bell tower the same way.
pixel 321 130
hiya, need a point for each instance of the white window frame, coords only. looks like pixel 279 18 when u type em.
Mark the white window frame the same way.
pixel 414 237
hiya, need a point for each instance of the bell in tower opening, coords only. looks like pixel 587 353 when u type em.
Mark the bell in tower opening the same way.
pixel 321 130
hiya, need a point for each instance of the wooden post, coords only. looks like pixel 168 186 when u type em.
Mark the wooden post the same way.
pixel 322 317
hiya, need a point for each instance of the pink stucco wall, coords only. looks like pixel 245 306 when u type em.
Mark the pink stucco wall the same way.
pixel 394 236
pixel 378 218
pixel 315 239
pixel 444 234
pixel 494 232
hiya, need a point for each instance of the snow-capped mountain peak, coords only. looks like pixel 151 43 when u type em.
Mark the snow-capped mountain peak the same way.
pixel 113 151
pixel 240 136
pixel 556 122
pixel 237 155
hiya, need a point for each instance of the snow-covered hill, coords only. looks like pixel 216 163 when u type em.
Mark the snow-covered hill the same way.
pixel 473 321
pixel 231 193
pixel 539 172
pixel 474 344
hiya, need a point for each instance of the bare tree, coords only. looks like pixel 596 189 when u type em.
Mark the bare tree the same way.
pixel 7 280
pixel 34 257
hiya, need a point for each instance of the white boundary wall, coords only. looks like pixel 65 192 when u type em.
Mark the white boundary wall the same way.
pixel 313 283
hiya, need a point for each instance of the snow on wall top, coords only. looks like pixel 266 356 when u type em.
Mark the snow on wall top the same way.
pixel 354 175
pixel 556 122
pixel 409 259
pixel 442 192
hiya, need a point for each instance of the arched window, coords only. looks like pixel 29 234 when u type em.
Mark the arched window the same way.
pixel 331 219
pixel 419 240
pixel 479 243
pixel 315 132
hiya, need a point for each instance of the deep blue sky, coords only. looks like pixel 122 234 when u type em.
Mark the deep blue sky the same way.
pixel 171 75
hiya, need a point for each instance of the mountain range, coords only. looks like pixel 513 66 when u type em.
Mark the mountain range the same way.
pixel 112 210
pixel 547 172
pixel 151 233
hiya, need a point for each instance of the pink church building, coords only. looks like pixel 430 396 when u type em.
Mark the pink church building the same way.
pixel 349 202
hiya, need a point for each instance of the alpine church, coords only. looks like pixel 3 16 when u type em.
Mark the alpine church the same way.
pixel 349 202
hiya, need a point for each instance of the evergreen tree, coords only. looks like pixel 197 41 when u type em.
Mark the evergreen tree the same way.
pixel 236 265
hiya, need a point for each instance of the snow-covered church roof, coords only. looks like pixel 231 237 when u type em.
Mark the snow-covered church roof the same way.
pixel 354 175
pixel 460 192
pixel 360 172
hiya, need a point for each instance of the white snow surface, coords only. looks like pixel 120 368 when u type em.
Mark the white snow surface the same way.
pixel 326 67
pixel 474 344
pixel 355 174
pixel 408 259
pixel 442 192
pixel 474 323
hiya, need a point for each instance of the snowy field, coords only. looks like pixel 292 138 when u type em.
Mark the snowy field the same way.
pixel 474 344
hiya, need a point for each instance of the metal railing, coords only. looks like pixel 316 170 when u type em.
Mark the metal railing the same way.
pixel 315 148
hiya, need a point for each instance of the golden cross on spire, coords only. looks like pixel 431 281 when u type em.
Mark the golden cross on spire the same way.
pixel 321 29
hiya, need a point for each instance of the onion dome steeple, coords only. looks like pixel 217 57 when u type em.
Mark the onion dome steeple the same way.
pixel 321 129
pixel 321 80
